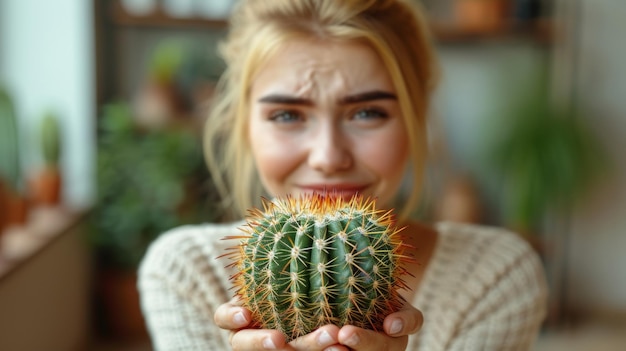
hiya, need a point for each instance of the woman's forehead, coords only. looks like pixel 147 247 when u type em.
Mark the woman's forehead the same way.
pixel 305 67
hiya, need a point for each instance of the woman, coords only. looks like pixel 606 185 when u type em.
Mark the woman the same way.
pixel 333 95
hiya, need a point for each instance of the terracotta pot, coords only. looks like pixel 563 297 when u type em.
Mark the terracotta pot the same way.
pixel 46 187
pixel 17 207
pixel 3 207
pixel 120 304
pixel 157 104
pixel 481 16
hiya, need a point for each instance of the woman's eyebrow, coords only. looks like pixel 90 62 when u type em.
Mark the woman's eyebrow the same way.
pixel 368 96
pixel 350 99
pixel 285 99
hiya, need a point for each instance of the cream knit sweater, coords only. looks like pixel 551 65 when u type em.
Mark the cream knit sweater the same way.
pixel 484 289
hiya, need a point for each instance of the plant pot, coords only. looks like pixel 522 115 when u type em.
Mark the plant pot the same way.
pixel 46 187
pixel 157 104
pixel 17 207
pixel 3 207
pixel 120 305
pixel 481 16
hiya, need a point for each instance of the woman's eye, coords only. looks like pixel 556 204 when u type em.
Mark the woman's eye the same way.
pixel 285 116
pixel 370 113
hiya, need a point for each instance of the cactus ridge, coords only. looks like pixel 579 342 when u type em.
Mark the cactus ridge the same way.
pixel 319 259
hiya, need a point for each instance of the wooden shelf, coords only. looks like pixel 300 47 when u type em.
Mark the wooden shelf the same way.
pixel 21 243
pixel 46 278
pixel 159 19
pixel 540 32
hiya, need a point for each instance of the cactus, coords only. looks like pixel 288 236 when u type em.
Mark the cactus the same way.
pixel 319 259
pixel 47 184
pixel 50 139
pixel 9 142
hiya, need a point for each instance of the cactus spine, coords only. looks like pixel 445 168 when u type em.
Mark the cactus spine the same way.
pixel 315 260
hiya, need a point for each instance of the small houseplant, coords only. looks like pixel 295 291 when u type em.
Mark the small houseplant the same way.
pixel 12 200
pixel 148 181
pixel 547 158
pixel 179 79
pixel 47 183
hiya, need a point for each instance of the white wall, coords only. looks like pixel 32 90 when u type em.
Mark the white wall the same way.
pixel 47 63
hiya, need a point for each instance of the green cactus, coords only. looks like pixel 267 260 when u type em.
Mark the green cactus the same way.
pixel 9 141
pixel 50 139
pixel 315 260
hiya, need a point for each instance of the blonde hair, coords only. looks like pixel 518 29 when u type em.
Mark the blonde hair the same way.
pixel 395 29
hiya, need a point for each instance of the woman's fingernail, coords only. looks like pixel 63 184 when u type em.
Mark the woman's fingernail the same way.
pixel 268 343
pixel 324 338
pixel 396 326
pixel 353 340
pixel 240 319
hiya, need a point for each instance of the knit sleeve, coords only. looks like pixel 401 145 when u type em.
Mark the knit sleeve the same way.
pixel 509 313
pixel 181 284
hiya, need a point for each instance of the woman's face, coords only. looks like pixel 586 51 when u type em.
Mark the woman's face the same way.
pixel 325 117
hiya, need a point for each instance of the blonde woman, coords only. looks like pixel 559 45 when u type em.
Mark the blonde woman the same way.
pixel 333 95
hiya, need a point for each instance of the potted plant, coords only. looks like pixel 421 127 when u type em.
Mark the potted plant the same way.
pixel 481 16
pixel 47 183
pixel 148 180
pixel 159 99
pixel 547 158
pixel 179 80
pixel 13 202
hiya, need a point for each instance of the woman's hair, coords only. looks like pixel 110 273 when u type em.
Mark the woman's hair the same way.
pixel 395 29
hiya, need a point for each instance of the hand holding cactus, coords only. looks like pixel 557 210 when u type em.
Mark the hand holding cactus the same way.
pixel 232 316
pixel 320 260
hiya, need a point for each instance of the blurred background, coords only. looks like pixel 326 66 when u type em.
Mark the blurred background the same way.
pixel 102 104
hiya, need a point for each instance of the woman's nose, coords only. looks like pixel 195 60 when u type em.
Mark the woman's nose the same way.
pixel 330 151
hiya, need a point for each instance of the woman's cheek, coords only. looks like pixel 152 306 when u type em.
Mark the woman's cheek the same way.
pixel 276 158
pixel 390 158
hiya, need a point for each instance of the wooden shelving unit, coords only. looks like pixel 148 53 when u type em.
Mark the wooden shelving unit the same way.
pixel 19 244
pixel 159 19
pixel 115 28
pixel 540 32
pixel 45 277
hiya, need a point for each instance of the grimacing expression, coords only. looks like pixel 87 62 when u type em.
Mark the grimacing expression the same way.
pixel 324 116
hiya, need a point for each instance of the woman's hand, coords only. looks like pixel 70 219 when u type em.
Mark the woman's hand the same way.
pixel 397 327
pixel 231 316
